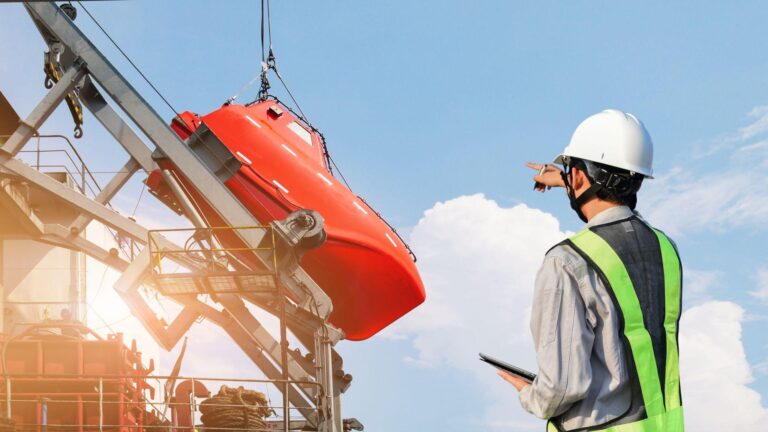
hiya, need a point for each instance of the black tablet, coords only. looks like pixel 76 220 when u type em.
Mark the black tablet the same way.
pixel 514 370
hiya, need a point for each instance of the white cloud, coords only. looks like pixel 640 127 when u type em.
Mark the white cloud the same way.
pixel 761 293
pixel 758 126
pixel 683 201
pixel 761 368
pixel 694 197
pixel 760 145
pixel 715 373
pixel 699 285
pixel 479 261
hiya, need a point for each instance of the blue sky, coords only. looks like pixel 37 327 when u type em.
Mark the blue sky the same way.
pixel 436 101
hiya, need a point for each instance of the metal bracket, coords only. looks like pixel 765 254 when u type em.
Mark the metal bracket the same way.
pixel 29 126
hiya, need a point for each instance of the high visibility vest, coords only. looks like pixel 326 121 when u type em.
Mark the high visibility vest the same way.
pixel 659 389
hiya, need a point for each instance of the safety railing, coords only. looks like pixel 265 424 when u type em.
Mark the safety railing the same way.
pixel 130 403
pixel 57 154
pixel 213 260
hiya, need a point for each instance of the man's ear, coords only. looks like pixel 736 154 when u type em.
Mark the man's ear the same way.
pixel 579 180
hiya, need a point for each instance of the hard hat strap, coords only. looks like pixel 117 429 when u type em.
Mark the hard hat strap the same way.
pixel 619 183
pixel 623 185
pixel 576 203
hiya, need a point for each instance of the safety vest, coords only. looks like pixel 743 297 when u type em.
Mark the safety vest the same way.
pixel 610 250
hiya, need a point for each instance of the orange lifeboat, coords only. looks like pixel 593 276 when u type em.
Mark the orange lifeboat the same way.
pixel 364 266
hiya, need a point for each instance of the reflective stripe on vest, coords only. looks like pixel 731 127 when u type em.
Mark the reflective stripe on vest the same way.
pixel 670 421
pixel 664 411
pixel 672 292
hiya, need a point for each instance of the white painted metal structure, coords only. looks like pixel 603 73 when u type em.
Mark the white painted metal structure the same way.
pixel 27 265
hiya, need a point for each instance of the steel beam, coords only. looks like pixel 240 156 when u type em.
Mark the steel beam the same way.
pixel 17 207
pixel 91 208
pixel 127 288
pixel 29 126
pixel 110 190
pixel 166 335
pixel 135 272
pixel 98 211
pixel 146 118
pixel 119 129
pixel 62 236
pixel 297 395
pixel 261 336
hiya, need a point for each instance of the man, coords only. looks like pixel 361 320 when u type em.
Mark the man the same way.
pixel 607 300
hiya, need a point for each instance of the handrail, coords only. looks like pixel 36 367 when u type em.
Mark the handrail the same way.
pixel 88 183
pixel 108 392
pixel 158 253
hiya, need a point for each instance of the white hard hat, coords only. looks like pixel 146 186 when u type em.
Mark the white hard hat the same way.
pixel 612 138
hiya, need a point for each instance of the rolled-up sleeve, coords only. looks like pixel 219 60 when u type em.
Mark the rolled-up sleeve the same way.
pixel 563 340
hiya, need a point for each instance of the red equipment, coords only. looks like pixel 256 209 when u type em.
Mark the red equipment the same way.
pixel 64 382
pixel 364 266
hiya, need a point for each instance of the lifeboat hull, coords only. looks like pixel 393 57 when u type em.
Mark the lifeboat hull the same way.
pixel 364 266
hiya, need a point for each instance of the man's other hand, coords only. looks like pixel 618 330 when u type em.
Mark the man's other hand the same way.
pixel 515 380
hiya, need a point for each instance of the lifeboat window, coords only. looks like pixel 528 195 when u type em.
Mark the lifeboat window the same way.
pixel 301 132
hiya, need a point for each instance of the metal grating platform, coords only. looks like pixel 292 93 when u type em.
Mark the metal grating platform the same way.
pixel 213 283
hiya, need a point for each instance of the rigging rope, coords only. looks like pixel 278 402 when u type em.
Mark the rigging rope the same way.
pixel 138 201
pixel 268 62
pixel 235 409
pixel 267 55
pixel 242 89
pixel 136 68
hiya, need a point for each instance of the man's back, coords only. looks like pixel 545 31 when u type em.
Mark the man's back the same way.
pixel 588 374
pixel 607 300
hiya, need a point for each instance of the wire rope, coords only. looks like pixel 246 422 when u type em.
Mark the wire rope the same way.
pixel 138 201
pixel 135 67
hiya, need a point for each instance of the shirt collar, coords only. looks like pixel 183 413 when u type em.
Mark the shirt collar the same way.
pixel 612 214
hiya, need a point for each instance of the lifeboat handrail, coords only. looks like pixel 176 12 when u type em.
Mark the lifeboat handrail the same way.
pixel 410 252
